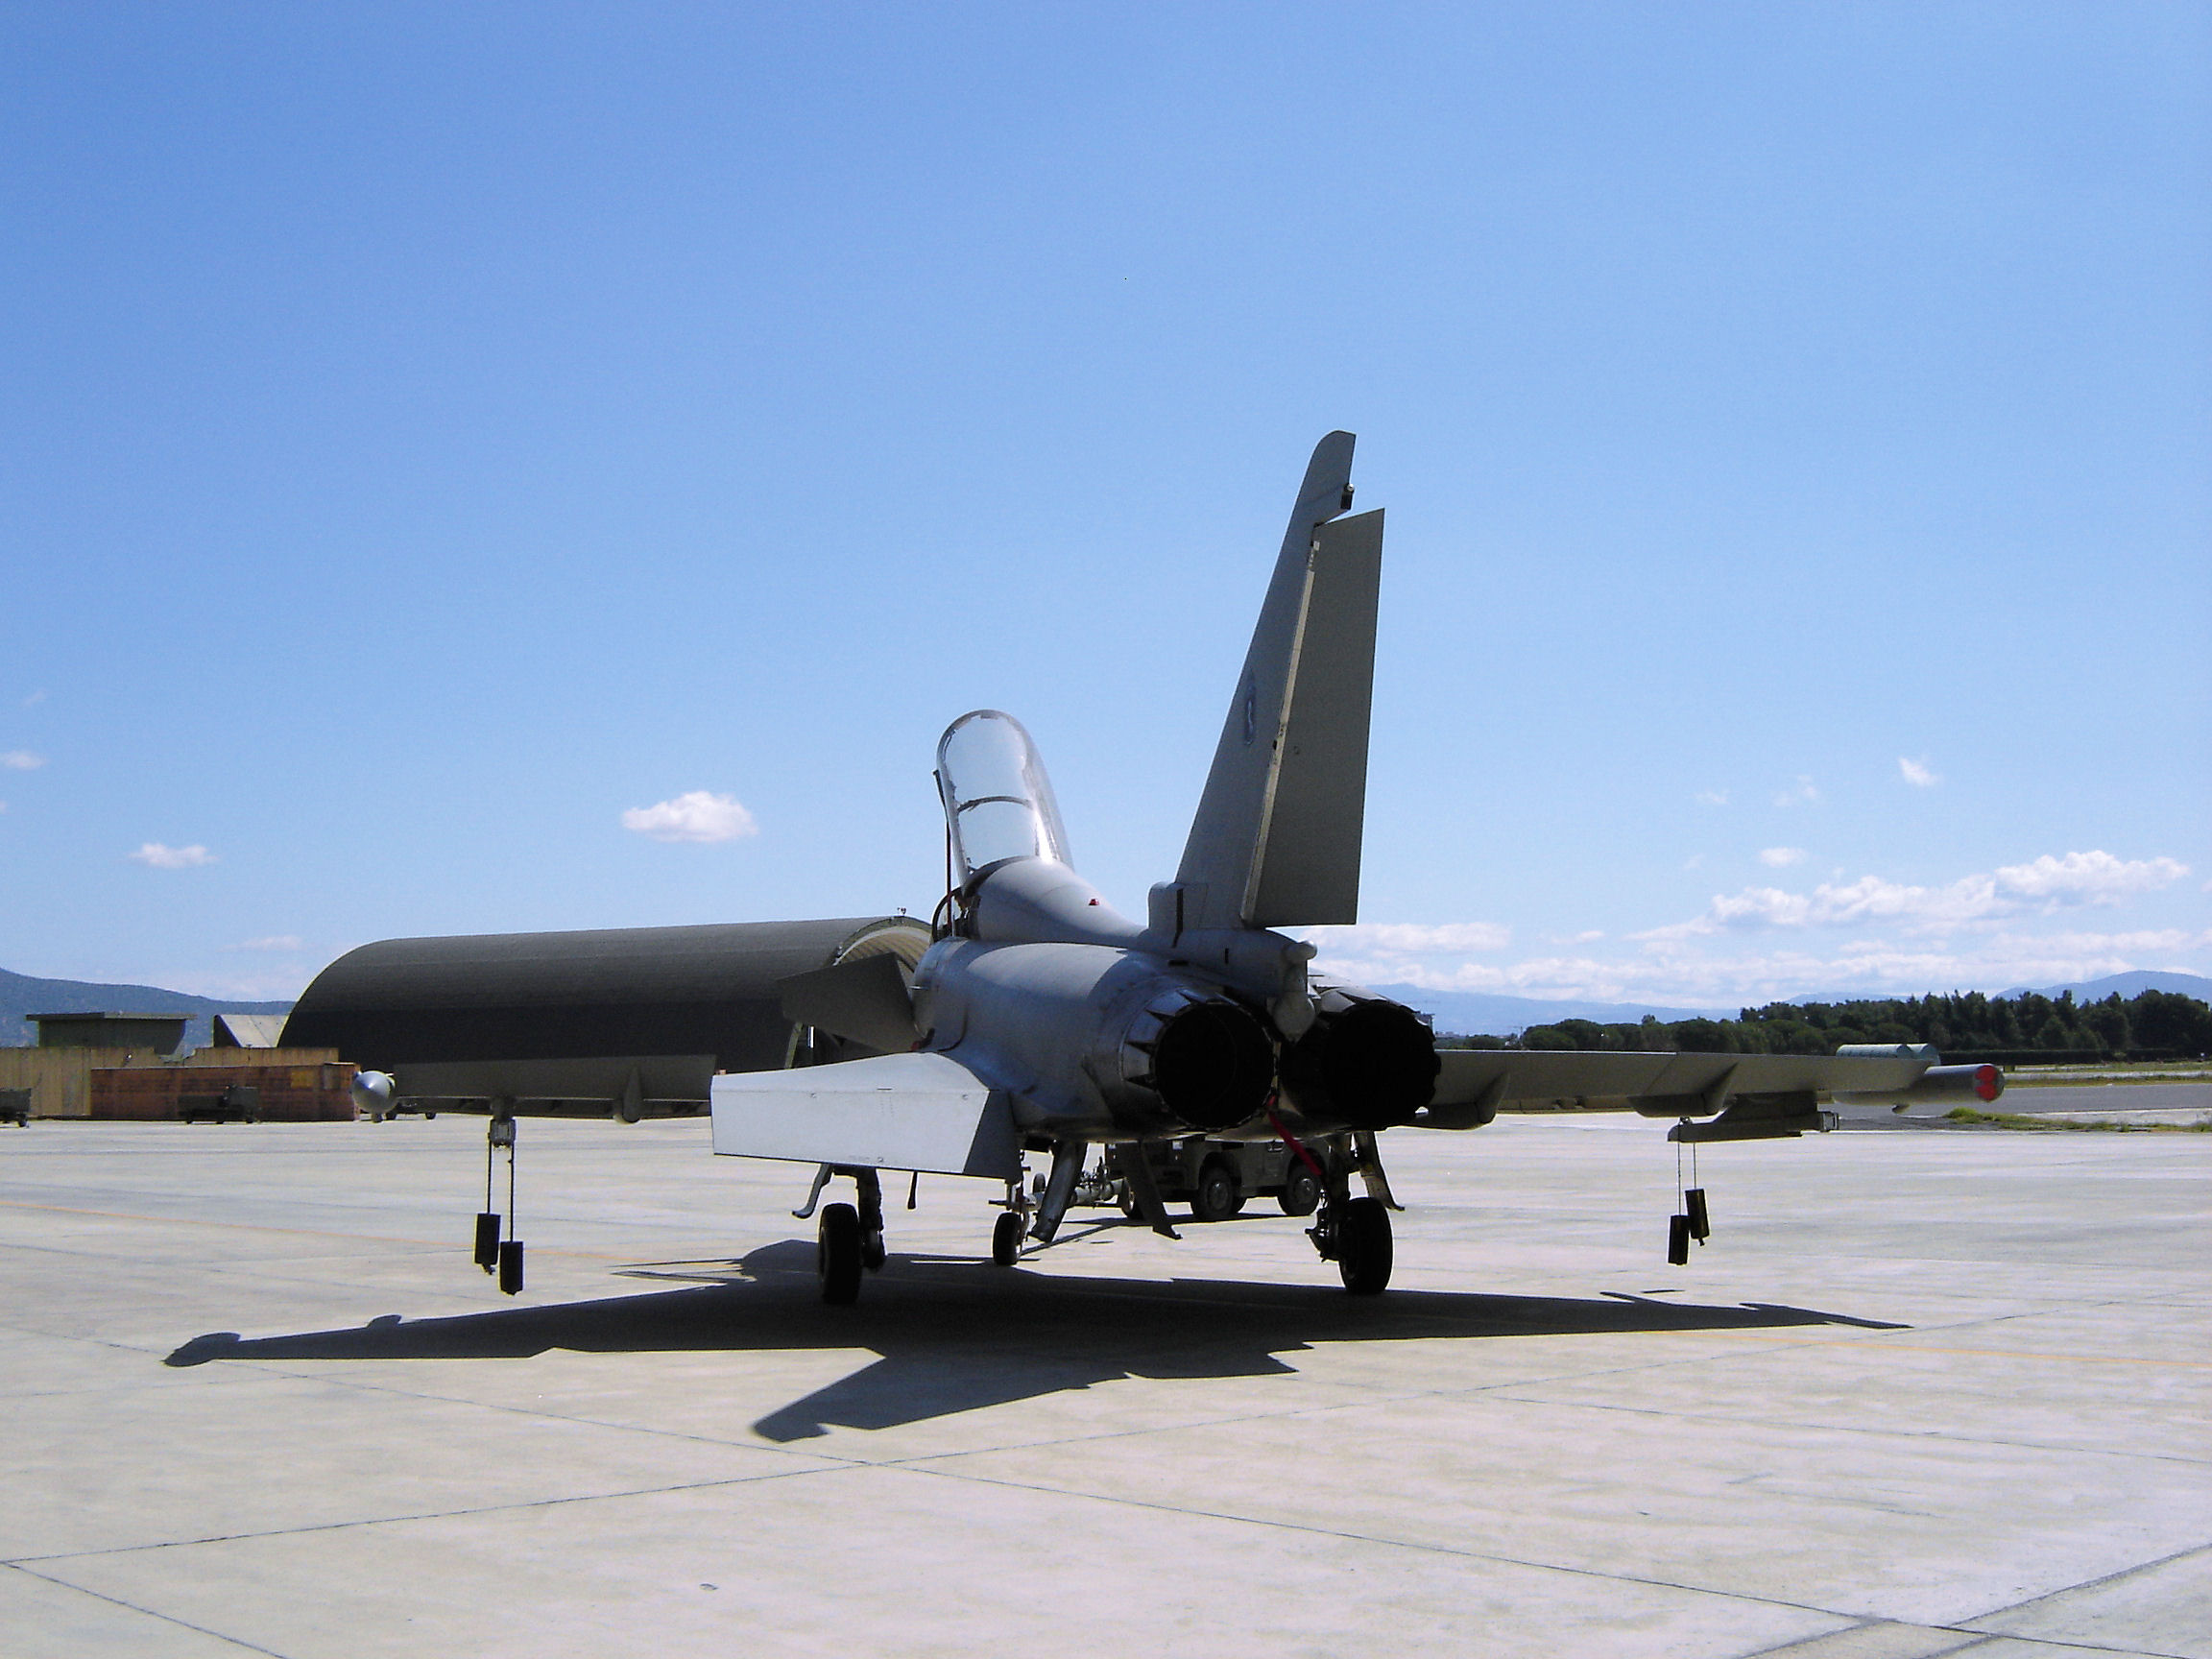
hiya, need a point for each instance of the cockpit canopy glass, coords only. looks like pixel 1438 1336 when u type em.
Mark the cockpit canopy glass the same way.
pixel 998 800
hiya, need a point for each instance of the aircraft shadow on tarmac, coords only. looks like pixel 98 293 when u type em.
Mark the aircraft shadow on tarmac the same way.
pixel 952 1334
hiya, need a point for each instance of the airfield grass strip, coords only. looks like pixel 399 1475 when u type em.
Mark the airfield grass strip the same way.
pixel 2022 1121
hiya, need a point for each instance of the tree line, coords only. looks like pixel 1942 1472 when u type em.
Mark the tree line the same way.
pixel 2152 1024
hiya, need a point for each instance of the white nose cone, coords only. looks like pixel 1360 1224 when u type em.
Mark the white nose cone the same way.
pixel 372 1095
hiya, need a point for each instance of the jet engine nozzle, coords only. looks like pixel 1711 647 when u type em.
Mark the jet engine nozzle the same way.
pixel 1366 1062
pixel 1208 1061
pixel 373 1094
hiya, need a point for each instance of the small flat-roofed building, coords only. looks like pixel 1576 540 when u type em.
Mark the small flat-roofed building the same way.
pixel 155 1033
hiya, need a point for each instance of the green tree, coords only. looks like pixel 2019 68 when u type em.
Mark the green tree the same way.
pixel 2108 1019
pixel 1546 1037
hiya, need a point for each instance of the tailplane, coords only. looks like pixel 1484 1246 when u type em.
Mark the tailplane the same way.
pixel 1276 842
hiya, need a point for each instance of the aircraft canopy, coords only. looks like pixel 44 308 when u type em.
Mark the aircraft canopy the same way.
pixel 998 800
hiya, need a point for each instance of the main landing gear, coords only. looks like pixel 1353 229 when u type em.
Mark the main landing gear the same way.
pixel 1355 1233
pixel 849 1237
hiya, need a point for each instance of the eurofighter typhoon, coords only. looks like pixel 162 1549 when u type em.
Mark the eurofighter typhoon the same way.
pixel 1195 1053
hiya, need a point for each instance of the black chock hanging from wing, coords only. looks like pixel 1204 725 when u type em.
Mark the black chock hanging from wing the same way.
pixel 506 1255
pixel 487 1240
pixel 486 1254
pixel 1677 1240
pixel 1694 1204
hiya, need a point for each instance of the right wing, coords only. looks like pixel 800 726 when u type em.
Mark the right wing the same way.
pixel 1745 1090
pixel 921 1112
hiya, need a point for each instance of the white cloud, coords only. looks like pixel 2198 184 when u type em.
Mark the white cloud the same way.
pixel 1666 973
pixel 22 760
pixel 696 816
pixel 1712 797
pixel 35 699
pixel 1399 939
pixel 1779 857
pixel 2088 877
pixel 1916 773
pixel 162 857
pixel 1801 793
pixel 272 942
pixel 2048 882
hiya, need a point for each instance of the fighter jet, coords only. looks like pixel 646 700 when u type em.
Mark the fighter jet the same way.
pixel 1041 1019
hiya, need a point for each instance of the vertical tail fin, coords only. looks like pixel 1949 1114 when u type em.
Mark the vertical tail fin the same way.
pixel 1277 839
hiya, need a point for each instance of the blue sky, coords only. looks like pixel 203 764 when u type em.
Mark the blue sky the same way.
pixel 451 454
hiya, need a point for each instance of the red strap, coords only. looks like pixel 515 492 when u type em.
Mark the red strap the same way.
pixel 1292 1140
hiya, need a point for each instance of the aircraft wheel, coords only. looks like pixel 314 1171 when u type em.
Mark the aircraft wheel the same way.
pixel 1301 1194
pixel 1128 1202
pixel 1216 1198
pixel 1364 1250
pixel 837 1254
pixel 1006 1240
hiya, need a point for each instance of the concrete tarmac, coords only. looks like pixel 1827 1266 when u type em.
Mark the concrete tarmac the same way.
pixel 1920 1395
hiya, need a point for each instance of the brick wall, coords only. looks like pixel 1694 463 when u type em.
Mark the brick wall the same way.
pixel 312 1094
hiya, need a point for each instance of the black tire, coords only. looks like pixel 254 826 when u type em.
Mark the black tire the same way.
pixel 1217 1196
pixel 1006 1238
pixel 837 1254
pixel 1301 1194
pixel 1127 1199
pixel 1363 1252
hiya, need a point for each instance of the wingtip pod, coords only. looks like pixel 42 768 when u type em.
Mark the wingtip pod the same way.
pixel 1277 839
pixel 1938 1085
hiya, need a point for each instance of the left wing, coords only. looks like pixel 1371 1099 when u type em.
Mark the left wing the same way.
pixel 1751 1096
pixel 921 1112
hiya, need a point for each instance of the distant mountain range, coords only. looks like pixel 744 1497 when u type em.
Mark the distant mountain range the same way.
pixel 2124 985
pixel 21 994
pixel 1457 1011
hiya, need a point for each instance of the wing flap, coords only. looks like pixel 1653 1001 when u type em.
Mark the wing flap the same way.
pixel 922 1112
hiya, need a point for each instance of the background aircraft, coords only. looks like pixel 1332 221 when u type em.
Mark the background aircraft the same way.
pixel 1030 1015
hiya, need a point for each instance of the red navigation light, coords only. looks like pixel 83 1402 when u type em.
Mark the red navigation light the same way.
pixel 1988 1082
